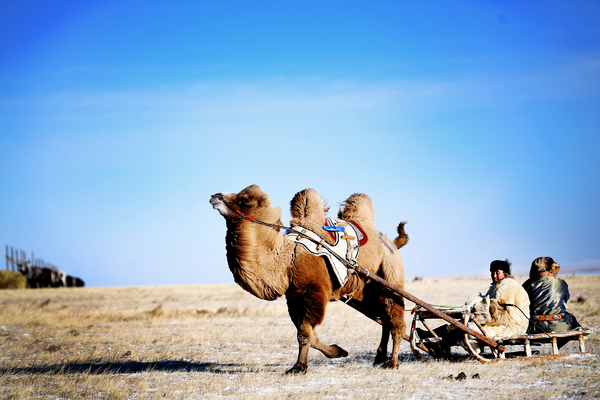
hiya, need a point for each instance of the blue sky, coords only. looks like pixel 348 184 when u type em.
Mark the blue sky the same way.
pixel 477 122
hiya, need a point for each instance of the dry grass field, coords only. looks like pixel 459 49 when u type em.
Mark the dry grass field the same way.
pixel 216 341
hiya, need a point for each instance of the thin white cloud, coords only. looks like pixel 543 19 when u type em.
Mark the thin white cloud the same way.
pixel 79 128
pixel 576 77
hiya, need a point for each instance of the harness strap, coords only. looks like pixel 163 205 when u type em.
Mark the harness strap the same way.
pixel 555 317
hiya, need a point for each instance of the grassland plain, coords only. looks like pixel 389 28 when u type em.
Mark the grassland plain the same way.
pixel 216 341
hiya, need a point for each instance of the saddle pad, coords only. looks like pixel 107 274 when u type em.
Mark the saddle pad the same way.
pixel 347 245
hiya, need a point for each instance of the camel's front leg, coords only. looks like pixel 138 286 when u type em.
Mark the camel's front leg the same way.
pixel 333 351
pixel 297 310
pixel 307 312
pixel 301 365
pixel 307 338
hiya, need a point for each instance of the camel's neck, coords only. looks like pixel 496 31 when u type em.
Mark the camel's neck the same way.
pixel 259 258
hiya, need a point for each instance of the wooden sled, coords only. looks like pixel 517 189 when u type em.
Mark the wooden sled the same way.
pixel 459 317
pixel 432 346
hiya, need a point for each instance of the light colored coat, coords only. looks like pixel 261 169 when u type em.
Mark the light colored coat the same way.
pixel 503 310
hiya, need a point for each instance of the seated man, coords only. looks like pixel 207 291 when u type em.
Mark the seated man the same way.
pixel 508 304
pixel 501 311
pixel 548 295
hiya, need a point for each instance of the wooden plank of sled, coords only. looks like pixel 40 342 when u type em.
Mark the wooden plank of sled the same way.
pixel 552 337
pixel 541 337
pixel 573 334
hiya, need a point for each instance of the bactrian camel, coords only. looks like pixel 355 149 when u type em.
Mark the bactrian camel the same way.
pixel 268 264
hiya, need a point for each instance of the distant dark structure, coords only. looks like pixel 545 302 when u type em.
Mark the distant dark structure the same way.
pixel 38 273
pixel 74 282
pixel 42 277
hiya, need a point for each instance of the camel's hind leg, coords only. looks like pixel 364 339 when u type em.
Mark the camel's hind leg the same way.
pixel 396 341
pixel 381 356
pixel 395 313
pixel 376 304
pixel 392 324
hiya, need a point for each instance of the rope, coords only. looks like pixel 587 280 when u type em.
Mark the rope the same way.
pixel 530 320
pixel 438 306
pixel 249 218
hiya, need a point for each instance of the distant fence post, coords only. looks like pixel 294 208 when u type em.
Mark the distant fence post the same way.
pixel 10 258
pixel 15 257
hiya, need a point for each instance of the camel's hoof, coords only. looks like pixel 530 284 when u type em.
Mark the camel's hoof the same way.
pixel 391 364
pixel 296 370
pixel 341 352
pixel 379 360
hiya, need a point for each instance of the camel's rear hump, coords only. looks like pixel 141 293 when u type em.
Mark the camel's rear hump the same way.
pixel 358 207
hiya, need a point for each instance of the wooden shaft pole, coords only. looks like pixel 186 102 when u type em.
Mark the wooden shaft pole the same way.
pixel 396 290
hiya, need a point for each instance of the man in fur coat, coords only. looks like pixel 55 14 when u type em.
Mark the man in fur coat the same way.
pixel 502 311
pixel 506 301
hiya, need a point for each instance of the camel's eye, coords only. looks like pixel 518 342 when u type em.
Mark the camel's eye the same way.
pixel 243 201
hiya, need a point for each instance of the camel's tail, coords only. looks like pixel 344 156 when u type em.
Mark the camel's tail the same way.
pixel 402 238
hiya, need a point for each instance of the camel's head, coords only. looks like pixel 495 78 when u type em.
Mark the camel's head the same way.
pixel 252 201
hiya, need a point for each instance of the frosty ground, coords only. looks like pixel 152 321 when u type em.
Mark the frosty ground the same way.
pixel 216 341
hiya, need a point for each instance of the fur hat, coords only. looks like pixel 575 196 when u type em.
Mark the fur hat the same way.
pixel 542 264
pixel 554 268
pixel 503 265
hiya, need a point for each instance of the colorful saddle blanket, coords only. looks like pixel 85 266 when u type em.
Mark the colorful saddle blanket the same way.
pixel 348 238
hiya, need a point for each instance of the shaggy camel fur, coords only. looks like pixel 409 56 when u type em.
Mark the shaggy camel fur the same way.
pixel 269 265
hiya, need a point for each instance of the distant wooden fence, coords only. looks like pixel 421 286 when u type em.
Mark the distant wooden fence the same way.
pixel 39 273
pixel 14 257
